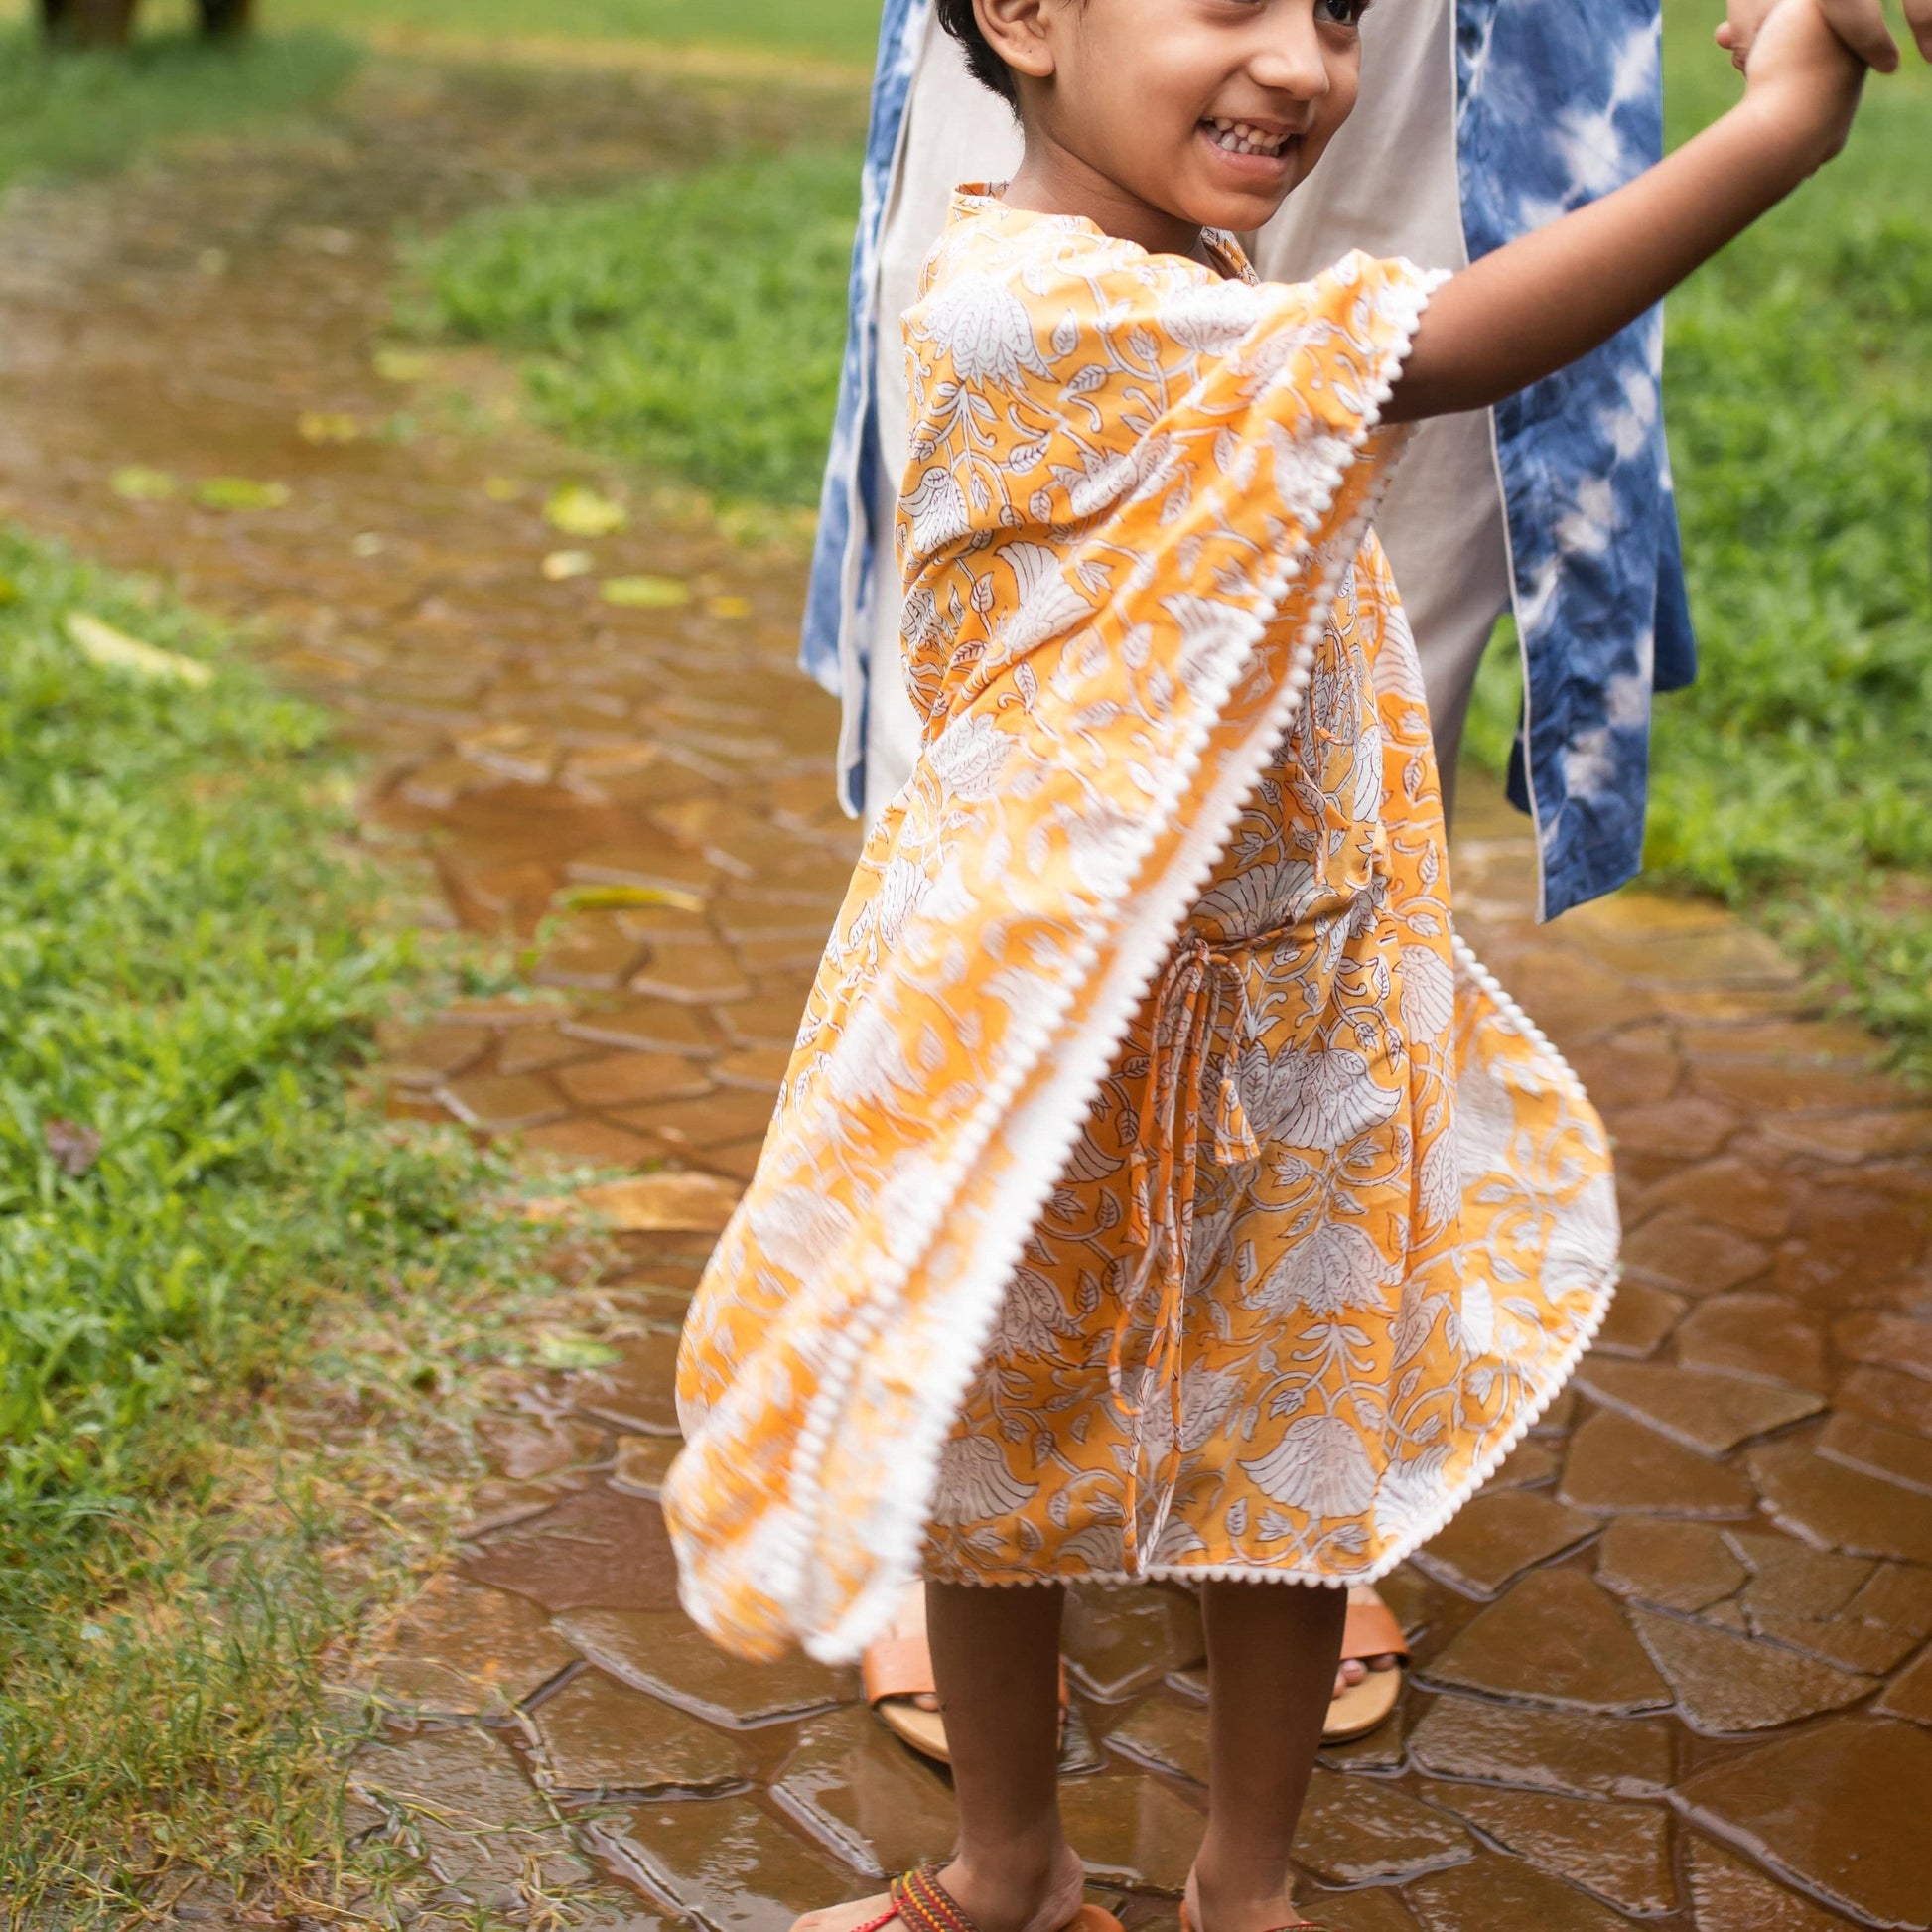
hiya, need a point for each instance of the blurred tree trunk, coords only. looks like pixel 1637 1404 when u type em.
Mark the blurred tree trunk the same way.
pixel 88 22
pixel 224 17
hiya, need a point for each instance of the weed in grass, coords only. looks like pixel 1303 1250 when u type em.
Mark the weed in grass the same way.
pixel 239 1313
pixel 694 323
pixel 84 113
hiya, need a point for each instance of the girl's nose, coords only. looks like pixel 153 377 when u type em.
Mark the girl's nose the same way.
pixel 1294 61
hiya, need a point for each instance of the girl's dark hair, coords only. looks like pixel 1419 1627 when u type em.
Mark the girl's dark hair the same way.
pixel 959 19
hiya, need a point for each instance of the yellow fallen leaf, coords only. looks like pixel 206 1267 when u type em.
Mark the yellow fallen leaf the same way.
pixel 402 365
pixel 503 489
pixel 581 513
pixel 322 425
pixel 101 643
pixel 241 493
pixel 561 565
pixel 728 607
pixel 646 593
pixel 615 898
pixel 139 485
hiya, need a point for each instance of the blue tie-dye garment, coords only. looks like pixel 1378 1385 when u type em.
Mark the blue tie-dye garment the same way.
pixel 1560 102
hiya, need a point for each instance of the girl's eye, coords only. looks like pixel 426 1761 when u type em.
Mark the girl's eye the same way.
pixel 1342 13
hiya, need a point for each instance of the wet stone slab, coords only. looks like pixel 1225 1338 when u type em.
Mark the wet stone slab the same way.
pixel 1118 1641
pixel 483 1831
pixel 1362 1831
pixel 726 1862
pixel 1729 1683
pixel 596 1736
pixel 1552 1750
pixel 1841 1508
pixel 1839 1808
pixel 1498 1535
pixel 1706 1412
pixel 1501 1895
pixel 1619 1851
pixel 1667 1563
pixel 467 1652
pixel 856 1789
pixel 598 1549
pixel 1554 1638
pixel 1730 1895
pixel 1132 1831
pixel 637 1392
pixel 1616 1465
pixel 1167 1733
pixel 666 1653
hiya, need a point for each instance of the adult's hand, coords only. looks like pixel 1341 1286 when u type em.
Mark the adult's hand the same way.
pixel 1860 24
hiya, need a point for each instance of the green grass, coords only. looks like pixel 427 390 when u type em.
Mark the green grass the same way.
pixel 1791 781
pixel 841 30
pixel 190 967
pixel 79 114
pixel 692 324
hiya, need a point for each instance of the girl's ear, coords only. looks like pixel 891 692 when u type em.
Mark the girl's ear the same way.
pixel 1019 32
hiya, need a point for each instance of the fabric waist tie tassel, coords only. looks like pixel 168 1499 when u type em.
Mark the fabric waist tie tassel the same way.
pixel 1192 1003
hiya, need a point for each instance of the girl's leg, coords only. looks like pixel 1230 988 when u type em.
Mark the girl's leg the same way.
pixel 1272 1651
pixel 995 1659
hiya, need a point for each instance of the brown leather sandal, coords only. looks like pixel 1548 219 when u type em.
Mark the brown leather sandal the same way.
pixel 899 1684
pixel 1372 1631
pixel 922 1904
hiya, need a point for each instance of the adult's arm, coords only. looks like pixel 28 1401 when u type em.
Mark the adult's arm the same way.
pixel 1536 306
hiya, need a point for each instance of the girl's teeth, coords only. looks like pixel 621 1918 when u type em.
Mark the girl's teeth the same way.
pixel 1237 137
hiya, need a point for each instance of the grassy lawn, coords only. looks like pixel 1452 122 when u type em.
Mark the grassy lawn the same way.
pixel 194 1215
pixel 79 114
pixel 1791 781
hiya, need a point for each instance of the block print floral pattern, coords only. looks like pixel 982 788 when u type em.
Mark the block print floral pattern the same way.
pixel 1119 1214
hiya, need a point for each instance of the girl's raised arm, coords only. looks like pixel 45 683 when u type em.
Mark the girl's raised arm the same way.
pixel 1529 309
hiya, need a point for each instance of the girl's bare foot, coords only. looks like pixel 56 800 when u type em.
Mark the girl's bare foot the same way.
pixel 998 1896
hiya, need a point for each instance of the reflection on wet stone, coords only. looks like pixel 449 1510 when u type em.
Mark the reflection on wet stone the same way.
pixel 1379 1910
pixel 1911 1694
pixel 1616 1464
pixel 1166 1734
pixel 1121 1640
pixel 853 1786
pixel 1556 1638
pixel 1553 1751
pixel 666 1653
pixel 1361 1830
pixel 464 1651
pixel 1131 1830
pixel 728 1865
pixel 1499 1534
pixel 1839 1808
pixel 598 1735
pixel 1619 1851
pixel 596 1550
pixel 644 1461
pixel 1673 1251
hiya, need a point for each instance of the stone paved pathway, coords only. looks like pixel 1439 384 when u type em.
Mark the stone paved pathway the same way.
pixel 1672 1666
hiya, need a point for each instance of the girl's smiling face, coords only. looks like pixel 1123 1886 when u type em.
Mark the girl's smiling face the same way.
pixel 1176 116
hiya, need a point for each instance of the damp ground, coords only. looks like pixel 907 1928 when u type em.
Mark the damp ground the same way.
pixel 1671 1669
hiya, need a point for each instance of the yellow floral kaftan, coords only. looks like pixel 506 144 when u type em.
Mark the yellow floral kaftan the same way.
pixel 1157 1189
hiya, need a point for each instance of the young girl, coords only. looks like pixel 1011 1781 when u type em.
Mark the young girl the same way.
pixel 1159 1189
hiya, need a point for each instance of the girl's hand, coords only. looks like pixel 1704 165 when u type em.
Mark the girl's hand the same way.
pixel 1860 24
pixel 1805 79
